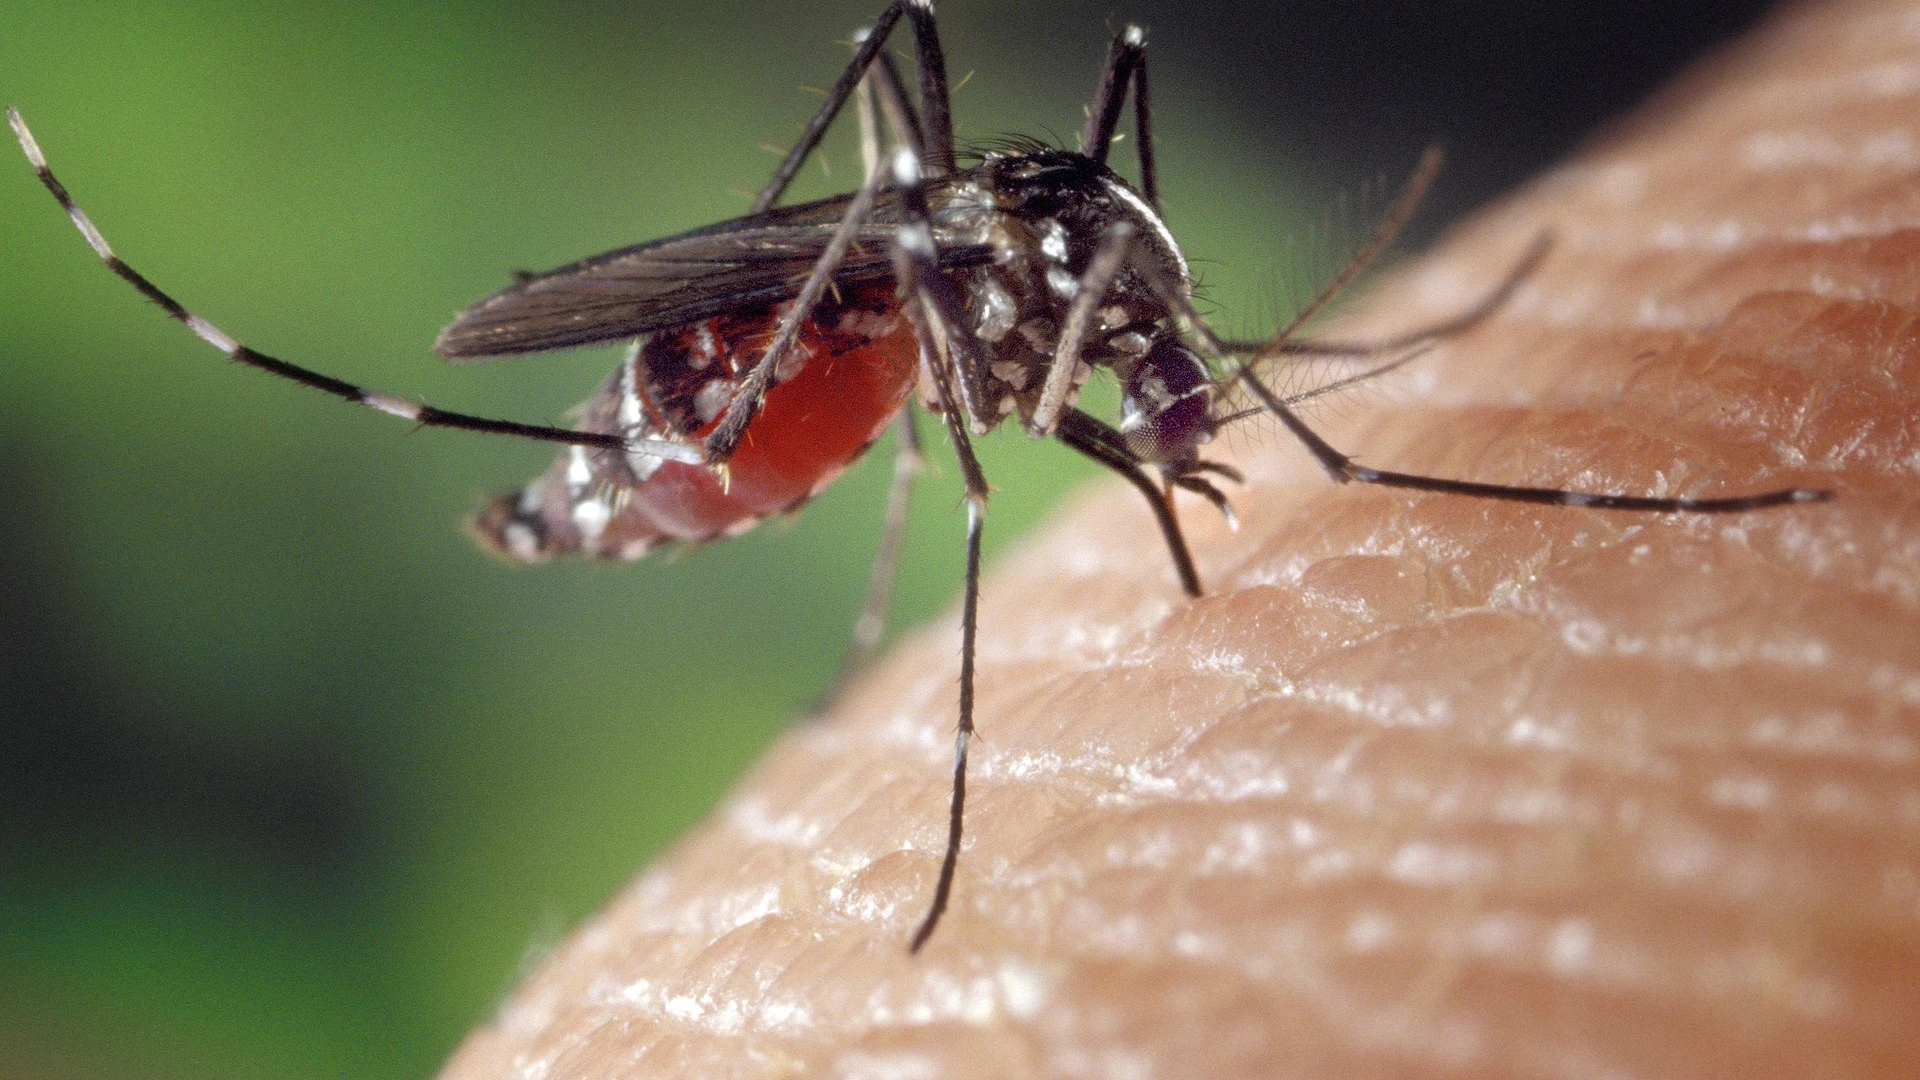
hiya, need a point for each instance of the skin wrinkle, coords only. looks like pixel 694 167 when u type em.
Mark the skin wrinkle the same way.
pixel 1425 786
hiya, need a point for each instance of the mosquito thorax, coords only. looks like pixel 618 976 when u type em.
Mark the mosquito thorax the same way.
pixel 1044 212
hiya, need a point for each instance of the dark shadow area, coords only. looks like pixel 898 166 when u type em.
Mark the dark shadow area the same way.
pixel 94 772
pixel 1359 89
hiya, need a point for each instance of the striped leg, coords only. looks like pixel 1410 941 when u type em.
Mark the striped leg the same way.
pixel 950 352
pixel 1342 469
pixel 417 412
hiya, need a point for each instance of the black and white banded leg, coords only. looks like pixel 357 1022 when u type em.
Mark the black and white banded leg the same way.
pixel 919 305
pixel 413 411
pixel 920 258
pixel 1342 469
pixel 953 359
pixel 948 348
pixel 882 95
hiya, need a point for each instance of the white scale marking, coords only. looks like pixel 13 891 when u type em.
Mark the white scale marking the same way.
pixel 916 239
pixel 591 517
pixel 1131 198
pixel 27 142
pixel 706 347
pixel 521 541
pixel 579 470
pixel 39 161
pixel 1053 244
pixel 667 450
pixel 85 225
pixel 713 398
pixel 392 406
pixel 631 417
pixel 217 337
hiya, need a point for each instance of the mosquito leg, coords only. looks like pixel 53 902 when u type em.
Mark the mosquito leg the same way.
pixel 866 111
pixel 1124 56
pixel 1094 282
pixel 1204 488
pixel 908 460
pixel 422 414
pixel 1104 445
pixel 947 349
pixel 1126 60
pixel 977 491
pixel 868 47
pixel 883 82
pixel 969 633
pixel 920 268
pixel 936 109
pixel 963 736
pixel 1143 131
pixel 884 96
pixel 747 400
pixel 1342 469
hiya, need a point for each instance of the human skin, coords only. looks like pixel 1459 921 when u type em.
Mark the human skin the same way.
pixel 1425 785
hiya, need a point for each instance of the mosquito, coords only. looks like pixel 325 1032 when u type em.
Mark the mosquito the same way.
pixel 769 352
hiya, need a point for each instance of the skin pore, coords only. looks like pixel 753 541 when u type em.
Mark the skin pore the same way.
pixel 1425 785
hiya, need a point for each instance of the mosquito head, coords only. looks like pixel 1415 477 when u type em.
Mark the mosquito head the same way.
pixel 1166 403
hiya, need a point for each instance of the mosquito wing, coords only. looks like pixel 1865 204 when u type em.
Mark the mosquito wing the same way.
pixel 745 263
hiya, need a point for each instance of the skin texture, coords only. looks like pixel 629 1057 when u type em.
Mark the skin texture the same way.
pixel 1426 786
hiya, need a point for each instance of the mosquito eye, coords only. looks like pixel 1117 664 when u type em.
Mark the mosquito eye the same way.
pixel 1166 404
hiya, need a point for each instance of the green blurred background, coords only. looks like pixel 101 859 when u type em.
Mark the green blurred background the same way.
pixel 292 778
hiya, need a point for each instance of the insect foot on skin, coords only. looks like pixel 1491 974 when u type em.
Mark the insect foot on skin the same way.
pixel 768 352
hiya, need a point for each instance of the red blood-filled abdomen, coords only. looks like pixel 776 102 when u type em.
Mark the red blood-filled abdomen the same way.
pixel 833 396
